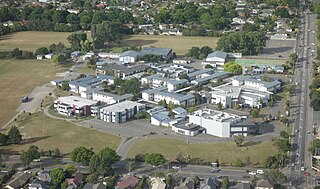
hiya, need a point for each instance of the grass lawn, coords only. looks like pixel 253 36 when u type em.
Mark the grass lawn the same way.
pixel 31 40
pixel 18 78
pixel 48 133
pixel 258 62
pixel 179 44
pixel 226 152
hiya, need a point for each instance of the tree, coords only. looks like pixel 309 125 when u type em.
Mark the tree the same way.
pixel 205 50
pixel 42 51
pixel 69 170
pixel 225 183
pixel 238 140
pixel 155 159
pixel 275 177
pixel 105 33
pixel 16 53
pixel 238 163
pixel 25 159
pixel 57 176
pixel 281 12
pixel 14 136
pixel 3 139
pixel 255 113
pixel 103 161
pixel 75 39
pixel 81 155
pixel 94 164
pixel 219 106
pixel 233 68
pixel 314 147
pixel 284 134
pixel 31 154
pixel 65 86
pixel 194 52
pixel 57 152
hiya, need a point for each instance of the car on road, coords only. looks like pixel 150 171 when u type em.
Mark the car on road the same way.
pixel 260 171
pixel 313 44
pixel 252 173
pixel 215 170
pixel 175 167
pixel 292 165
pixel 296 131
pixel 306 173
pixel 302 168
pixel 246 176
pixel 221 176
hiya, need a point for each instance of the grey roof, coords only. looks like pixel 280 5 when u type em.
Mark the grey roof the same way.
pixel 189 126
pixel 129 53
pixel 94 186
pixel 39 184
pixel 212 77
pixel 255 80
pixel 199 72
pixel 179 110
pixel 114 96
pixel 20 181
pixel 125 69
pixel 241 186
pixel 263 183
pixel 122 106
pixel 162 91
pixel 209 183
pixel 167 80
pixel 161 116
pixel 105 76
pixel 218 54
pixel 155 51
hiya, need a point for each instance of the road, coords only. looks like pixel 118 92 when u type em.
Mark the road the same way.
pixel 300 156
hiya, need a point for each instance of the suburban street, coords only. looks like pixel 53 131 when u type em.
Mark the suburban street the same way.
pixel 300 159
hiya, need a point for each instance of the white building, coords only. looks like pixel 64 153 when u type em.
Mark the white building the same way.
pixel 217 58
pixel 75 105
pixel 109 98
pixel 121 112
pixel 88 55
pixel 86 84
pixel 159 94
pixel 257 84
pixel 230 96
pixel 109 55
pixel 223 124
pixel 159 81
pixel 188 129
pixel 129 57
pixel 204 79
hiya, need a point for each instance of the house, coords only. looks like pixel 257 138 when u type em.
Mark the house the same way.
pixel 187 184
pixel 38 184
pixel 129 56
pixel 86 83
pixel 127 182
pixel 99 185
pixel 223 124
pixel 173 70
pixel 257 84
pixel 76 181
pixel 158 118
pixel 158 81
pixel 209 183
pixel 121 112
pixel 160 94
pixel 171 32
pixel 57 82
pixel 39 57
pixel 208 78
pixel 110 55
pixel 180 61
pixel 88 55
pixel 278 69
pixel 75 105
pixel 263 184
pixel 179 111
pixel 20 181
pixel 165 53
pixel 217 58
pixel 49 56
pixel 109 98
pixel 200 74
pixel 242 186
pixel 44 176
pixel 75 54
pixel 157 183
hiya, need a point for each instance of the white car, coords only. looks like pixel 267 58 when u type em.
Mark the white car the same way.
pixel 313 44
pixel 259 171
pixel 303 169
pixel 252 173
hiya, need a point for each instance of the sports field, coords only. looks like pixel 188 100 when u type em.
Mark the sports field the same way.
pixel 258 62
pixel 20 77
pixel 179 44
pixel 48 133
pixel 226 152
pixel 31 40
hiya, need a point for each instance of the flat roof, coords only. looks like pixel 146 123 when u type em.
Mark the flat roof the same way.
pixel 114 96
pixel 199 72
pixel 155 51
pixel 120 107
pixel 76 100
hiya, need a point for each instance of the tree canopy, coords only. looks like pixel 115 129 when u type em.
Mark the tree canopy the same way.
pixel 155 159
pixel 233 68
pixel 81 155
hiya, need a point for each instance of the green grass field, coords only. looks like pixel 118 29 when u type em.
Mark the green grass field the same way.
pixel 258 62
pixel 179 44
pixel 31 40
pixel 20 77
pixel 48 133
pixel 226 152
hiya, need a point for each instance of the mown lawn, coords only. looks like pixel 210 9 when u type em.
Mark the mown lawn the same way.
pixel 179 44
pixel 226 152
pixel 31 40
pixel 18 78
pixel 48 133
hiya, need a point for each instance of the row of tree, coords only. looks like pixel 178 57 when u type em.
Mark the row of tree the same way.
pixel 13 137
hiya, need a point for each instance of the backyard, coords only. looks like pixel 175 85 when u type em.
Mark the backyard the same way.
pixel 48 133
pixel 226 152
pixel 32 40
pixel 179 44
pixel 19 78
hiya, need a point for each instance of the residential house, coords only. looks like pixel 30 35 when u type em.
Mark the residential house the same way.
pixel 127 182
pixel 223 124
pixel 187 184
pixel 75 105
pixel 44 176
pixel 263 184
pixel 20 181
pixel 99 185
pixel 242 186
pixel 165 53
pixel 76 181
pixel 75 54
pixel 129 56
pixel 171 32
pixel 121 112
pixel 216 59
pixel 38 184
pixel 161 94
pixel 49 56
pixel 157 183
pixel 39 57
pixel 109 98
pixel 88 55
pixel 209 183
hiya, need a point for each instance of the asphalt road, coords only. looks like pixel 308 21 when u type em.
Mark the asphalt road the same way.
pixel 300 156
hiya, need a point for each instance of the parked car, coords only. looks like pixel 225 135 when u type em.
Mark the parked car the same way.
pixel 252 173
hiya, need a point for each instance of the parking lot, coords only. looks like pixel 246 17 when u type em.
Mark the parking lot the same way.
pixel 278 49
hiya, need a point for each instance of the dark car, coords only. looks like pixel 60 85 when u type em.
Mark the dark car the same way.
pixel 246 176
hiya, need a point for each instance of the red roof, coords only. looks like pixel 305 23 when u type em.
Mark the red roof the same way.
pixel 127 182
